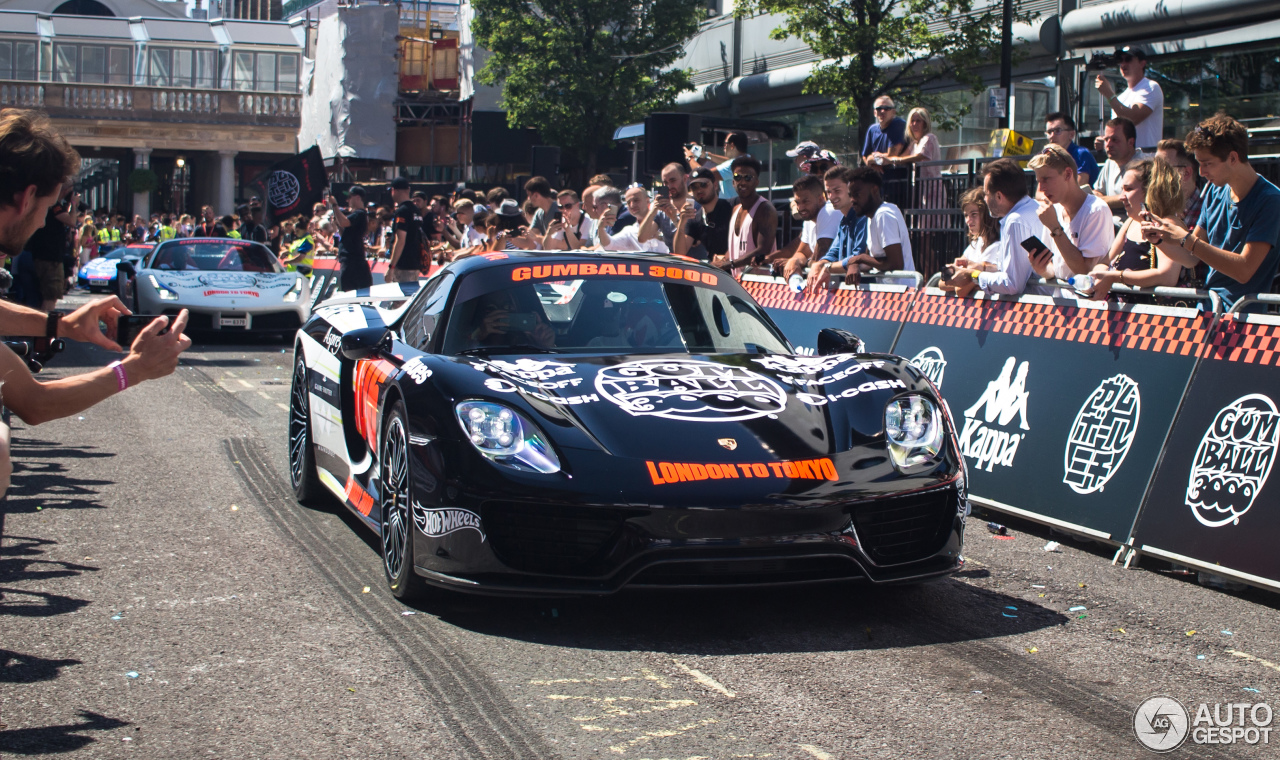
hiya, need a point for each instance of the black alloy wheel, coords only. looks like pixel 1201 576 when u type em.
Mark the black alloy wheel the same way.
pixel 397 520
pixel 302 458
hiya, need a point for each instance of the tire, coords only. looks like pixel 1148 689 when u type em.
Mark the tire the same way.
pixel 394 490
pixel 302 456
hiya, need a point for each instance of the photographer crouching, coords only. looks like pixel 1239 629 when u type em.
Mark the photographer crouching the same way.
pixel 35 162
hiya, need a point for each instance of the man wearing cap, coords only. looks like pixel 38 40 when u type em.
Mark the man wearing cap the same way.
pixel 1142 103
pixel 703 232
pixel 406 251
pixel 353 267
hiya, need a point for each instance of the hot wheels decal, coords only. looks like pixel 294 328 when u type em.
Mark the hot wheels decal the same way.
pixel 446 520
pixel 1234 460
pixel 1102 434
pixel 689 390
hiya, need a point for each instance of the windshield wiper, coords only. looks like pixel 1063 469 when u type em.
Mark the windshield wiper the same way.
pixel 516 349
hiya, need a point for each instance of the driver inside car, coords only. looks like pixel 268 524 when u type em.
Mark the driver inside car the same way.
pixel 179 261
pixel 493 319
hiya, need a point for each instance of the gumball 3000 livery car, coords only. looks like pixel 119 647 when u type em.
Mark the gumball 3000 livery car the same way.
pixel 528 422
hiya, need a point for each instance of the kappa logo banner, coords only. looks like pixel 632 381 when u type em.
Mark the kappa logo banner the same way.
pixel 1004 400
pixel 292 186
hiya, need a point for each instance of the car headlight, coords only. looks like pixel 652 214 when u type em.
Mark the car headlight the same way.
pixel 503 435
pixel 165 293
pixel 294 292
pixel 915 430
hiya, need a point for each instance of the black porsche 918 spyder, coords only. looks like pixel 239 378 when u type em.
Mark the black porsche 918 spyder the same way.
pixel 573 423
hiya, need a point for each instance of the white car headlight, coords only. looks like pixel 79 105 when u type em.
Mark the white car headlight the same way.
pixel 915 430
pixel 165 293
pixel 294 292
pixel 504 436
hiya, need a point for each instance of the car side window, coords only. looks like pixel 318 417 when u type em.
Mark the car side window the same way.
pixel 421 319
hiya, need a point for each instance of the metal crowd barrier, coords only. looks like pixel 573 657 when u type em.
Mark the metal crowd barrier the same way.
pixel 1150 427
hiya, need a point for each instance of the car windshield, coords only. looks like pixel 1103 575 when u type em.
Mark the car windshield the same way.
pixel 609 315
pixel 118 253
pixel 214 257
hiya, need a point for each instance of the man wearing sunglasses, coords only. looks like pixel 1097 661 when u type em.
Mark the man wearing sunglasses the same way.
pixel 1142 103
pixel 703 232
pixel 886 138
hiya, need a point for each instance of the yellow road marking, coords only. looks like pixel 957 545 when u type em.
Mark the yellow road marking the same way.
pixel 615 707
pixel 645 675
pixel 665 733
pixel 1251 658
pixel 706 680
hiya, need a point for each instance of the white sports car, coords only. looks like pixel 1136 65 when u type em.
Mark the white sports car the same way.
pixel 226 284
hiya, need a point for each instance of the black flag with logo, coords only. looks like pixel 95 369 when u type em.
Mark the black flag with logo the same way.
pixel 292 186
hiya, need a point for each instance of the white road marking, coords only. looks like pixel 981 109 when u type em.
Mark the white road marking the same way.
pixel 244 382
pixel 1251 658
pixel 646 675
pixel 812 750
pixel 705 680
pixel 282 406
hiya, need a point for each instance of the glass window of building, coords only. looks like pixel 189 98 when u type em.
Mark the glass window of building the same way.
pixel 206 63
pixel 266 72
pixel 65 62
pixel 288 73
pixel 160 71
pixel 243 71
pixel 182 65
pixel 119 71
pixel 24 60
pixel 6 60
pixel 93 64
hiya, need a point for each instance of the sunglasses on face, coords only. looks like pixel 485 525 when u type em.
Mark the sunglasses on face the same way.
pixel 884 108
pixel 704 185
pixel 742 177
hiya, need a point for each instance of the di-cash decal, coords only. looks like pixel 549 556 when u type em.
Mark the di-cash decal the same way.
pixel 1234 460
pixel 1102 434
pixel 689 390
pixel 987 436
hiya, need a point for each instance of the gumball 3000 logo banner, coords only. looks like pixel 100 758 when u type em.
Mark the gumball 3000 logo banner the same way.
pixel 693 391
pixel 1234 460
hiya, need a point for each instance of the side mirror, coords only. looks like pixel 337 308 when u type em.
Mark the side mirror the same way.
pixel 126 267
pixel 833 340
pixel 303 270
pixel 365 343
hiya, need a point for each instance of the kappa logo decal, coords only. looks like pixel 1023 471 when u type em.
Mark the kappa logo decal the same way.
pixel 1102 434
pixel 932 363
pixel 1004 400
pixel 1234 460
pixel 441 522
pixel 688 390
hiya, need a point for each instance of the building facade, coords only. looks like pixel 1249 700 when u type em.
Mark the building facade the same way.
pixel 202 107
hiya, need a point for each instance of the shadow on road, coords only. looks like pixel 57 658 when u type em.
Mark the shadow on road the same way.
pixel 64 738
pixel 41 480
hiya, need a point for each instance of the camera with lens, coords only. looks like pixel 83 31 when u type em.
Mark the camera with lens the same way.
pixel 1103 61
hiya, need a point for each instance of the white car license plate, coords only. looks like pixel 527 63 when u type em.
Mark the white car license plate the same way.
pixel 233 321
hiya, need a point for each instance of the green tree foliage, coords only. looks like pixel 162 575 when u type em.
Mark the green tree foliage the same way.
pixel 575 70
pixel 888 47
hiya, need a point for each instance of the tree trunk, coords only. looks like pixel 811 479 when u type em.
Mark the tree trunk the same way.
pixel 866 117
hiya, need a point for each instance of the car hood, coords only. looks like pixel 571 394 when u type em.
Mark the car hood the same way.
pixel 692 408
pixel 214 284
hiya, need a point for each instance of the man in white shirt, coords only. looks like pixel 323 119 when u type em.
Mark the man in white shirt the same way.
pixel 1079 224
pixel 1118 141
pixel 1005 187
pixel 1142 103
pixel 888 241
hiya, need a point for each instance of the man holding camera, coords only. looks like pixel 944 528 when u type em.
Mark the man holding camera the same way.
pixel 406 251
pixel 1142 103
pixel 48 246
pixel 703 231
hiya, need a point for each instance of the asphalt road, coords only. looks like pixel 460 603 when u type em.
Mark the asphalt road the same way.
pixel 164 597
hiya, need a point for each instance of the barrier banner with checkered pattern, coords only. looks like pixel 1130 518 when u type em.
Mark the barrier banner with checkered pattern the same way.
pixel 872 312
pixel 1062 408
pixel 1215 502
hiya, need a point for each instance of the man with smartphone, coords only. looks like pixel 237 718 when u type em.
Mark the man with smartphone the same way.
pixel 406 252
pixel 702 231
pixel 353 267
pixel 1022 235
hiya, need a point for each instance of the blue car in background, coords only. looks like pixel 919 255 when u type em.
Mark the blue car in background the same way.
pixel 100 273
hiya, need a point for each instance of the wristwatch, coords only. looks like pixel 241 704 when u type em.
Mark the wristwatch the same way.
pixel 51 324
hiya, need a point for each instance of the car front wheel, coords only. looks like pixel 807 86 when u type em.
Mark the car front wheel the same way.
pixel 397 521
pixel 302 457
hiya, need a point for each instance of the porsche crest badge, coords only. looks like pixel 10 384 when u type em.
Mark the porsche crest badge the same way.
pixel 728 443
